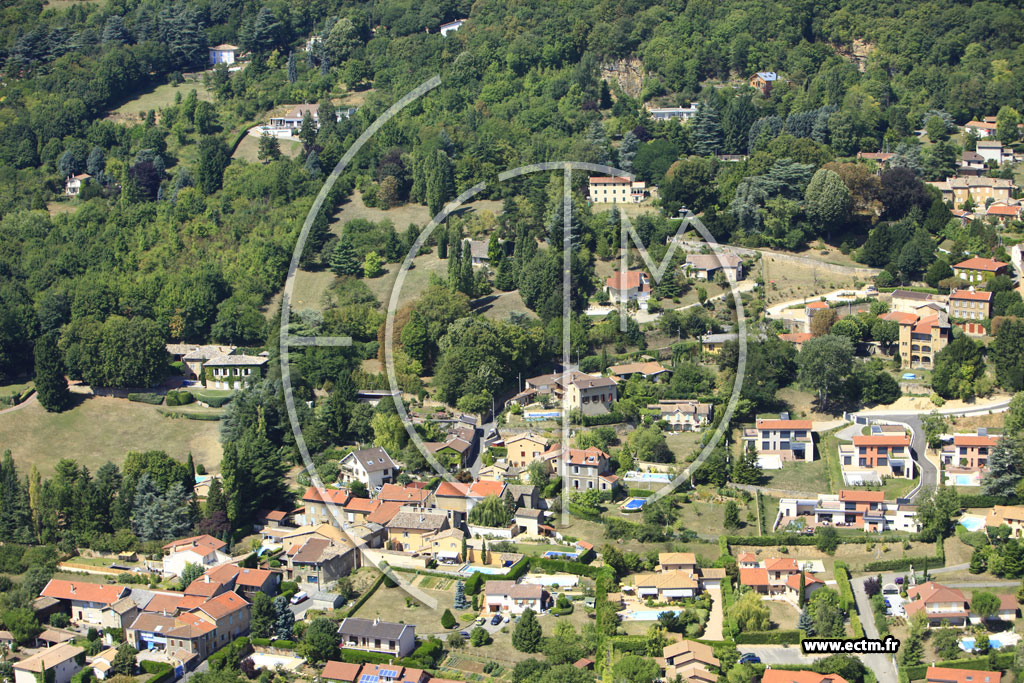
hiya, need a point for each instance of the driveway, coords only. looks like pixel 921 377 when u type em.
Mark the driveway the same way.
pixel 713 630
pixel 779 654
pixel 881 664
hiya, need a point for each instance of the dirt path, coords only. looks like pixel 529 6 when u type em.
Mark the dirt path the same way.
pixel 21 405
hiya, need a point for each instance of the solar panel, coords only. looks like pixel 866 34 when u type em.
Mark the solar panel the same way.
pixel 389 673
pixel 368 678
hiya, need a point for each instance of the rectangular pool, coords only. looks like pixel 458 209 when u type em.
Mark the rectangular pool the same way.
pixel 633 504
pixel 647 614
pixel 972 523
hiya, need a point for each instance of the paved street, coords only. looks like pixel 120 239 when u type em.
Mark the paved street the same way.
pixel 778 654
pixel 882 665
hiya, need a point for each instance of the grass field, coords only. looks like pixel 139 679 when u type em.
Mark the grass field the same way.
pixel 157 98
pixel 417 278
pixel 99 429
pixel 783 615
pixel 401 216
pixel 391 604
pixel 787 281
pixel 499 305
pixel 249 147
pixel 798 476
pixel 310 288
pixel 683 444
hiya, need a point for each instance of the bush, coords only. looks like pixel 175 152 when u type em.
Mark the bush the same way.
pixel 212 400
pixel 179 398
pixel 902 563
pixel 780 637
pixel 288 589
pixel 151 399
pixel 842 573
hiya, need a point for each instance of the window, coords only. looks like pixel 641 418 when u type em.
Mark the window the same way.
pixel 764 445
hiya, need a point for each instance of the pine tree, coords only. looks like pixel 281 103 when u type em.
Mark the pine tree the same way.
pixel 707 129
pixel 284 619
pixel 263 615
pixel 1005 467
pixel 440 182
pixel 526 637
pixel 189 573
pixel 307 132
pixel 269 149
pixel 51 385
pixel 344 259
pixel 124 661
pixel 747 469
pixel 442 242
pixel 979 561
pixel 448 620
pixel 293 74
pixel 460 589
pixel 805 623
pixel 732 516
pixel 802 597
pixel 15 517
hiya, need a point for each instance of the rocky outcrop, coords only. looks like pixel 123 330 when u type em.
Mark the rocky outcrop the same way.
pixel 627 73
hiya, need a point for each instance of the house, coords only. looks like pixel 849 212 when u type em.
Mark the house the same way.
pixel 982 129
pixel 55 664
pixel 978 189
pixel 865 510
pixel 478 251
pixel 585 470
pixel 705 266
pixel 993 151
pixel 230 371
pixel 523 449
pixel 74 184
pixel 524 495
pixel 100 664
pixel 690 661
pixel 684 415
pixel 316 561
pixel 119 614
pixel 874 457
pixel 920 337
pixel 684 114
pixel 677 561
pixel 589 394
pixel 292 120
pixel 968 455
pixel 779 578
pixel 84 601
pixel 781 676
pixel 196 356
pixel 763 81
pixel 712 344
pixel 797 339
pixel 512 597
pixel 398 640
pixel 230 577
pixel 780 440
pixel 204 550
pixel 194 634
pixel 446 545
pixel 412 528
pixel 1010 515
pixel 968 304
pixel 371 466
pixel 530 521
pixel 632 285
pixel 978 269
pixel 223 54
pixel 451 26
pixel 881 157
pixel 1008 608
pixel 616 190
pixel 648 370
pixel 938 603
pixel 938 674
pixel 318 503
pixel 229 614
pixel 406 495
pixel 973 161
pixel 344 672
pixel 667 585
pixel 908 301
pixel 1004 212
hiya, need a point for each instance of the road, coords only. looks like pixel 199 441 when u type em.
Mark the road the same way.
pixel 881 664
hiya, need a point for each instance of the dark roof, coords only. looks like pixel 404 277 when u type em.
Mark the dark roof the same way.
pixel 312 550
pixel 374 459
pixel 366 628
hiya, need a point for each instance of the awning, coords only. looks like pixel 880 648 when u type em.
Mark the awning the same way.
pixel 447 555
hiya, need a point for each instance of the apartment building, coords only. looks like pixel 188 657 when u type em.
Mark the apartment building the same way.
pixel 616 190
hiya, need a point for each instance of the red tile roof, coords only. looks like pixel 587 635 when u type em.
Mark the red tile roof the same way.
pixel 163 603
pixel 794 580
pixel 755 576
pixel 340 671
pixel 780 676
pixel 482 489
pixel 781 564
pixel 861 496
pixel 939 674
pixel 971 440
pixel 971 296
pixel 83 591
pixel 224 604
pixel 900 317
pixel 452 488
pixel 384 513
pixel 336 496
pixel 881 440
pixel 817 304
pixel 614 180
pixel 979 263
pixel 252 577
pixel 204 542
pixel 631 279
pixel 403 494
pixel 783 424
pixel 796 337
pixel 589 456
pixel 361 505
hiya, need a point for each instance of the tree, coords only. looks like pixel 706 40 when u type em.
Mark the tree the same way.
pixel 750 613
pixel 826 539
pixel 263 615
pixel 827 200
pixel 828 616
pixel 806 623
pixel 22 623
pixel 51 385
pixel 979 561
pixel 213 157
pixel 1007 353
pixel 269 149
pixel 189 573
pixel 635 669
pixel 479 637
pixel 732 516
pixel 448 619
pixel 320 641
pixel 822 321
pixel 912 652
pixel 936 509
pixel 526 636
pixel 293 73
pixel 460 589
pixel 985 604
pixel 946 642
pixel 492 512
pixel 284 618
pixel 1008 122
pixel 747 467
pixel 124 660
pixel 825 363
pixel 936 128
pixel 706 129
pixel 1005 466
pixel 344 259
pixel 372 265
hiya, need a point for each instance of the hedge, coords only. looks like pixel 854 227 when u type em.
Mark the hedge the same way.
pixel 214 401
pixel 609 418
pixel 151 399
pixel 1004 660
pixel 365 596
pixel 778 637
pixel 551 564
pixel 630 644
pixel 842 574
pixel 179 398
pixel 560 611
pixel 230 655
pixel 983 501
pixel 161 671
pixel 858 628
pixel 902 563
pixel 582 513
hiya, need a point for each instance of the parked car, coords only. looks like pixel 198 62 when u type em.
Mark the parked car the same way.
pixel 495 620
pixel 464 634
pixel 749 658
pixel 899 580
pixel 507 619
pixel 481 621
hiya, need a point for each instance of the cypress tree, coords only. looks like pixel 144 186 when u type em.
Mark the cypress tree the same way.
pixel 707 129
pixel 293 74
pixel 51 385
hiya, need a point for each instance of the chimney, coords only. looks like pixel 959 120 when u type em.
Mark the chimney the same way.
pixel 206 578
pixel 73 589
pixel 376 620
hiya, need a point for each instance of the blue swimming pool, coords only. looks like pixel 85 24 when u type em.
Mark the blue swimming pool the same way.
pixel 633 504
pixel 963 480
pixel 648 476
pixel 967 644
pixel 972 523
pixel 649 614
pixel 561 555
pixel 485 570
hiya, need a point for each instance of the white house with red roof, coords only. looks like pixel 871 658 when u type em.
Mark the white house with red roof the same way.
pixel 779 440
pixel 855 508
pixel 871 458
pixel 632 285
pixel 84 601
pixel 938 603
pixel 967 456
pixel 204 550
pixel 616 190
pixel 778 578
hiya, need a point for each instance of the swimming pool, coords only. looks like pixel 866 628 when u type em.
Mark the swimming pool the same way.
pixel 634 504
pixel 560 554
pixel 648 614
pixel 972 522
pixel 648 476
pixel 963 480
pixel 967 644
pixel 485 570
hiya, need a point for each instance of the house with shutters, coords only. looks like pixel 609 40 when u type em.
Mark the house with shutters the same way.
pixel 523 449
pixel 978 270
pixel 223 54
pixel 204 550
pixel 371 466
pixel 616 190
pixel 1010 515
pixel 632 285
pixel 412 529
pixel 969 304
pixel 84 602
pixel 74 184
pixel 384 637
pixel 513 598
pixel 706 266
pixel 779 578
pixel 938 603
pixel 586 469
pixel 684 415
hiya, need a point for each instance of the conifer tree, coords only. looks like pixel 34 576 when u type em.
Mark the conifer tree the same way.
pixel 51 384
pixel 707 129
pixel 344 259
pixel 293 74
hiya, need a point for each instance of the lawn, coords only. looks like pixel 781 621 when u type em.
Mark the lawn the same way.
pixel 500 305
pixel 683 444
pixel 854 554
pixel 501 650
pixel 394 604
pixel 799 477
pixel 787 280
pixel 99 429
pixel 157 98
pixel 249 147
pixel 594 532
pixel 709 517
pixel 310 289
pixel 417 278
pixel 783 615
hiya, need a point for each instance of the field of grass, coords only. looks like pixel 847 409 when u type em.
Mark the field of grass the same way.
pixel 417 278
pixel 157 98
pixel 394 604
pixel 249 147
pixel 499 305
pixel 683 444
pixel 798 476
pixel 310 288
pixel 854 554
pixel 787 281
pixel 99 429
pixel 783 615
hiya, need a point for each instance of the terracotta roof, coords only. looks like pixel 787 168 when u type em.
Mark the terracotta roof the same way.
pixel 204 588
pixel 1008 602
pixel 979 263
pixel 796 337
pixel 972 440
pixel 939 674
pixel 631 279
pixel 648 368
pixel 667 580
pixel 677 558
pixel 970 296
pixel 590 456
pixel 1003 210
pixel 861 496
pixel 794 580
pixel 783 424
pixel 817 304
pixel 780 676
pixel 252 577
pixel 452 488
pixel 340 671
pixel 754 576
pixel 224 604
pixel 384 513
pixel 364 505
pixel 482 489
pixel 701 652
pixel 336 496
pixel 83 591
pixel 614 180
pixel 204 542
pixel 900 317
pixel 935 592
pixel 520 591
pixel 311 551
pixel 781 564
pixel 746 557
pixel 402 494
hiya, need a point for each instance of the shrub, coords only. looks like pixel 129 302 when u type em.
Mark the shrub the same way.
pixel 151 399
pixel 779 637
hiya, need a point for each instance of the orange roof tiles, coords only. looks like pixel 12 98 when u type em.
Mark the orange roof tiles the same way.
pixel 384 513
pixel 780 676
pixel 755 576
pixel 452 488
pixel 881 440
pixel 631 279
pixel 939 674
pixel 817 304
pixel 971 296
pixel 203 542
pixel 781 564
pixel 224 604
pixel 340 671
pixel 83 591
pixel 979 263
pixel 783 424
pixel 336 496
pixel 861 496
pixel 972 440
pixel 402 494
